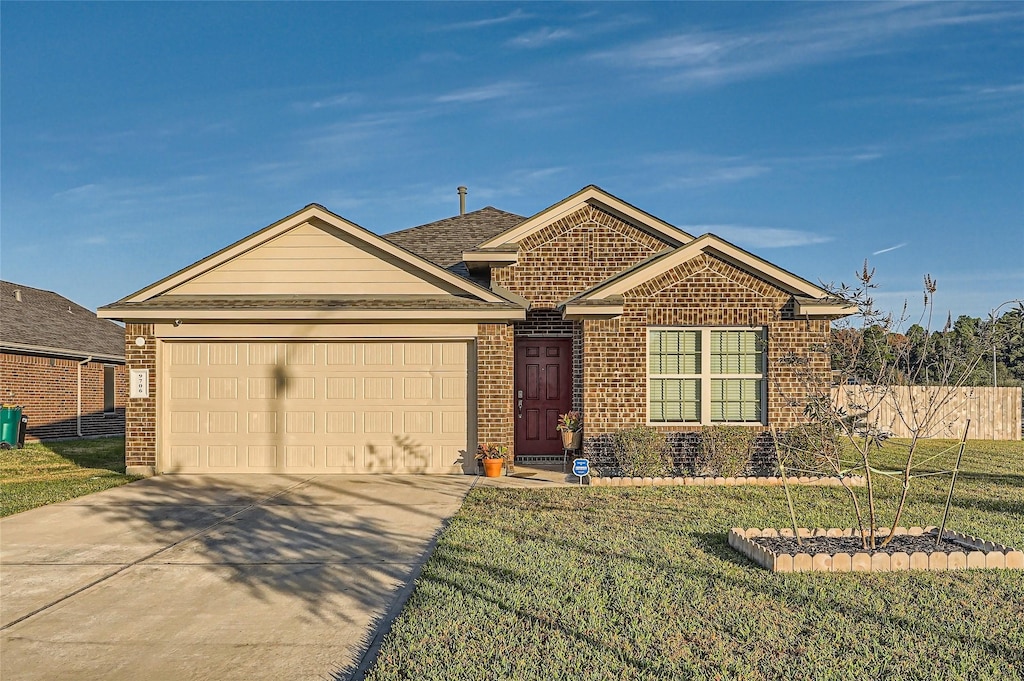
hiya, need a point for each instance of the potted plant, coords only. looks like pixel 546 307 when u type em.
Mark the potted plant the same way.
pixel 571 427
pixel 493 457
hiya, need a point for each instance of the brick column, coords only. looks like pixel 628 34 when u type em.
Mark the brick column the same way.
pixel 140 413
pixel 495 411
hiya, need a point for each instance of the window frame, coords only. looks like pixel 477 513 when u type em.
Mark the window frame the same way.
pixel 705 376
pixel 110 370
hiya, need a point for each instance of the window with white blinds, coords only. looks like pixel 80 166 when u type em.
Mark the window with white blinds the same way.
pixel 708 375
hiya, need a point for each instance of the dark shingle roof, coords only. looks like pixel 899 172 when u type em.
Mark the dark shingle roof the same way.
pixel 45 321
pixel 337 302
pixel 443 242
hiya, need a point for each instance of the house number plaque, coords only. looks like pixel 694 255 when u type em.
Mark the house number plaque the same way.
pixel 139 383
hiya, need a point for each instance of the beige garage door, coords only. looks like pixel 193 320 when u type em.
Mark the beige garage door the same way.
pixel 332 407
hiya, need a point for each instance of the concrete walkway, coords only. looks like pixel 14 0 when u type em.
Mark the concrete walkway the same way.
pixel 200 577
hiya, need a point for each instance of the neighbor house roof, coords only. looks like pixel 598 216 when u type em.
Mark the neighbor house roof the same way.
pixel 442 242
pixel 43 322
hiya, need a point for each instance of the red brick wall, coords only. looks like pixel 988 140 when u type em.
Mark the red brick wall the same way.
pixel 704 291
pixel 572 254
pixel 140 429
pixel 47 389
pixel 495 411
pixel 564 259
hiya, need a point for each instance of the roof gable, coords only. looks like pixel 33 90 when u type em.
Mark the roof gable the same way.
pixel 613 288
pixel 595 196
pixel 38 321
pixel 313 251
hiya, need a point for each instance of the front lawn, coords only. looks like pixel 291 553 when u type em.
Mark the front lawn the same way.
pixel 43 474
pixel 640 583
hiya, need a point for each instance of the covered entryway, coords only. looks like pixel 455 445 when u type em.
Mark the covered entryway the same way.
pixel 380 406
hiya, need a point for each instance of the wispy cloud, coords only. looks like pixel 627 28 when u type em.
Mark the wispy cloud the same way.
pixel 541 37
pixel 760 237
pixel 345 99
pixel 483 93
pixel 715 57
pixel 514 15
pixel 891 248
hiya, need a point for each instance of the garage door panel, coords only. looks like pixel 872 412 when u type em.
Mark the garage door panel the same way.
pixel 222 456
pixel 222 388
pixel 341 456
pixel 261 456
pixel 378 458
pixel 339 406
pixel 222 422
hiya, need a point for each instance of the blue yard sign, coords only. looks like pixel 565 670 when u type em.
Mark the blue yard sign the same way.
pixel 581 468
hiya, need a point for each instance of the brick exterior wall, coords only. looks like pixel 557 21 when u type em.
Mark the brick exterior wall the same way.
pixel 47 389
pixel 140 435
pixel 495 412
pixel 564 259
pixel 704 291
pixel 572 254
pixel 609 356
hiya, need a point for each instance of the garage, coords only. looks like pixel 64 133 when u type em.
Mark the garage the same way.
pixel 388 406
pixel 312 346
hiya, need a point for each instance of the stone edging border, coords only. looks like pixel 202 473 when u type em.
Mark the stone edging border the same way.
pixel 852 481
pixel 986 554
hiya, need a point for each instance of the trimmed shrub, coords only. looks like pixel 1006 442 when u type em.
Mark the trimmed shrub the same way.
pixel 642 452
pixel 810 449
pixel 725 451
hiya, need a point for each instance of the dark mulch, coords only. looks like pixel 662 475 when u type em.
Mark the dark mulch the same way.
pixel 905 543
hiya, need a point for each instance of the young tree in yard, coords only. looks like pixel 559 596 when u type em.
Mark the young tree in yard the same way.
pixel 880 371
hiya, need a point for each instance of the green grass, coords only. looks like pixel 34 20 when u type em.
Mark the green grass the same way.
pixel 640 583
pixel 43 474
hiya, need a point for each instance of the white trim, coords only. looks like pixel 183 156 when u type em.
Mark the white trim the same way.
pixel 493 258
pixel 705 376
pixel 591 311
pixel 824 309
pixel 22 348
pixel 187 315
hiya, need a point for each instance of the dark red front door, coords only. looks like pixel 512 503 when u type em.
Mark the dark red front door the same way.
pixel 543 391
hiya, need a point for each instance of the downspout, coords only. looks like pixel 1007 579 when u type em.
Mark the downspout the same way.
pixel 84 361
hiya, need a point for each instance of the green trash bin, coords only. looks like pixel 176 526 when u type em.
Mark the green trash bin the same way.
pixel 10 424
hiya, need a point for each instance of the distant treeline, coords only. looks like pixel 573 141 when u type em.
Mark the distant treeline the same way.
pixel 965 345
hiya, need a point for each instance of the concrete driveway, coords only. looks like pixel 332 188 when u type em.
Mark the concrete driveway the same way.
pixel 202 577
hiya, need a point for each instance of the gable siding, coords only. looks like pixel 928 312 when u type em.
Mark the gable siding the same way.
pixel 704 291
pixel 307 261
pixel 574 253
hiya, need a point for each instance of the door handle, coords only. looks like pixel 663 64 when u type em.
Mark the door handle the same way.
pixel 520 409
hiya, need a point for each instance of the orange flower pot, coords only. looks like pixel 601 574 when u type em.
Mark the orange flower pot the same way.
pixel 492 467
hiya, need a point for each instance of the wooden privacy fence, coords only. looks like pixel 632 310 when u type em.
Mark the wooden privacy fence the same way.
pixel 995 413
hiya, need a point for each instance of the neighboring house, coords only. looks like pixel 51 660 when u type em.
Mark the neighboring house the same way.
pixel 61 363
pixel 315 345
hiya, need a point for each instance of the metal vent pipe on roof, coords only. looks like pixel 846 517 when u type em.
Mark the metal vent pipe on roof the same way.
pixel 462 200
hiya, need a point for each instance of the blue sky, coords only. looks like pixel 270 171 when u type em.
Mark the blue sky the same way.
pixel 139 138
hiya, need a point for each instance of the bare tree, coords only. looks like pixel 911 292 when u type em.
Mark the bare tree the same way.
pixel 878 370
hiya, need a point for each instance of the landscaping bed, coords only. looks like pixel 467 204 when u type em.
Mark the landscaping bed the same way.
pixel 836 550
pixel 769 481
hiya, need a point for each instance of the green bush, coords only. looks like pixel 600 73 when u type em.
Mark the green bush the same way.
pixel 725 451
pixel 642 452
pixel 810 449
